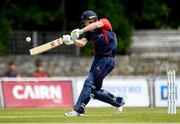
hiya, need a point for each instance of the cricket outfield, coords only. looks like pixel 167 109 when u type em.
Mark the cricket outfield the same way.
pixel 93 115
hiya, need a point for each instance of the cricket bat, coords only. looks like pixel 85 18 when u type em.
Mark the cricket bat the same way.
pixel 46 47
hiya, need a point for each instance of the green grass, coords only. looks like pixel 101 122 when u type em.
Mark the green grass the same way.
pixel 93 115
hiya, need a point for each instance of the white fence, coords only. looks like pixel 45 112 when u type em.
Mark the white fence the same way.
pixel 138 91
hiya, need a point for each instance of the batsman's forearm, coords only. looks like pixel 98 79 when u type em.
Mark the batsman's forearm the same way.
pixel 79 43
pixel 93 26
pixel 90 27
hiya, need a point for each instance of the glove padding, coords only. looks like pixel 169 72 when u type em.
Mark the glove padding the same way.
pixel 76 33
pixel 67 40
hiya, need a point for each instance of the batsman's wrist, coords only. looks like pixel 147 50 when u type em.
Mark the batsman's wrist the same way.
pixel 81 31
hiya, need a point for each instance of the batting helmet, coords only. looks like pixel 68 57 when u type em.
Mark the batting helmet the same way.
pixel 89 15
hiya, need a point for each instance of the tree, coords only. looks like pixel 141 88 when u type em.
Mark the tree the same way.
pixel 147 14
pixel 64 15
pixel 5 26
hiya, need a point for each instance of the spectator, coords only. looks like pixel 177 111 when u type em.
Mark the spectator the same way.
pixel 40 72
pixel 12 70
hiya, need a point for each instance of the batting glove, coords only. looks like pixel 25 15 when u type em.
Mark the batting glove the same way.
pixel 67 40
pixel 76 33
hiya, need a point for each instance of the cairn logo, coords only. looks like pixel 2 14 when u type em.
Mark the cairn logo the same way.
pixel 37 92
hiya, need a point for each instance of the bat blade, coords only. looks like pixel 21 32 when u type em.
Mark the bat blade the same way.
pixel 46 47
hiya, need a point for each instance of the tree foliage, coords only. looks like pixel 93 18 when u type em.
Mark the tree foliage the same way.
pixel 65 15
pixel 153 14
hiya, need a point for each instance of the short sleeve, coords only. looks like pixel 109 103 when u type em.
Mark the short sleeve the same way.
pixel 107 24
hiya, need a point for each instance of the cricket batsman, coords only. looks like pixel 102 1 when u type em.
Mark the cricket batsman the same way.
pixel 101 34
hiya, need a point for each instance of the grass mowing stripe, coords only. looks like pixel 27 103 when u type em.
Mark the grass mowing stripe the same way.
pixel 32 116
pixel 60 114
pixel 54 116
